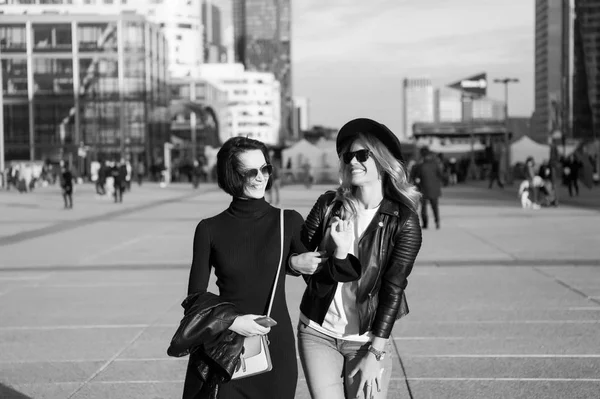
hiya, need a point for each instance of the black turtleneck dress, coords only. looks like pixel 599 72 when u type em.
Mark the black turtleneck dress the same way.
pixel 242 244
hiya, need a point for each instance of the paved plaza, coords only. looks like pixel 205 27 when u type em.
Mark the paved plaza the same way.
pixel 505 302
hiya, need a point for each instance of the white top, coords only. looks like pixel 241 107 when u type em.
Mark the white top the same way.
pixel 341 320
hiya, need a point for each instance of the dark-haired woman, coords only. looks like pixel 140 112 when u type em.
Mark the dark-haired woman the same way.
pixel 242 244
pixel 345 327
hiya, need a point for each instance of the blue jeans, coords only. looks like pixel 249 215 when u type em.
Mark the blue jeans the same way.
pixel 327 361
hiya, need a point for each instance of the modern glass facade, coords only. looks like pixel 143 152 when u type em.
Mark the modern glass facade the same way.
pixel 262 33
pixel 567 59
pixel 83 80
pixel 586 79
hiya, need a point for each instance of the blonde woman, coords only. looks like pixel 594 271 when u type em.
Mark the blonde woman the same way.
pixel 371 223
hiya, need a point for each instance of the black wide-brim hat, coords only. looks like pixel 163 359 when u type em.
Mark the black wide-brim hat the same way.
pixel 349 132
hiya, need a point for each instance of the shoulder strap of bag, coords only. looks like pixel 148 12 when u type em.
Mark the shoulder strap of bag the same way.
pixel 282 231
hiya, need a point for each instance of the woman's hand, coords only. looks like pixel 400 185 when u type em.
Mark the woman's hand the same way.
pixel 308 262
pixel 246 326
pixel 371 372
pixel 342 234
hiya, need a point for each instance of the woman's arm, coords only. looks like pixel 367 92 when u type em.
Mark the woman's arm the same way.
pixel 333 269
pixel 395 277
pixel 200 270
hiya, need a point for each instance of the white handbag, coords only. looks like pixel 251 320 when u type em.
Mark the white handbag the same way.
pixel 256 358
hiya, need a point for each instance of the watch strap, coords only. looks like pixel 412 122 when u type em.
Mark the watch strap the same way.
pixel 378 354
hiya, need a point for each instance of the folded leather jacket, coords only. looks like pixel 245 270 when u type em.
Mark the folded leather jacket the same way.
pixel 386 253
pixel 214 349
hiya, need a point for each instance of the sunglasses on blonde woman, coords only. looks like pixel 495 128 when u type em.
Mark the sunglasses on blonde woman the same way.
pixel 250 174
pixel 361 156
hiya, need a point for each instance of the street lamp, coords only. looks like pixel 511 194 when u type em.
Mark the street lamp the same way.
pixel 506 82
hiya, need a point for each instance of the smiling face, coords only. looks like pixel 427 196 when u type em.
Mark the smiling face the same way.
pixel 253 187
pixel 361 173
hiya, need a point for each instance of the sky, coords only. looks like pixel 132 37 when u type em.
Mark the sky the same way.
pixel 349 56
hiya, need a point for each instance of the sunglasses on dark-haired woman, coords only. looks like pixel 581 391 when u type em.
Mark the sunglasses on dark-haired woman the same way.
pixel 251 174
pixel 361 156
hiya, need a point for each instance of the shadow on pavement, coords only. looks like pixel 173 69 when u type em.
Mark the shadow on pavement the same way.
pixel 9 393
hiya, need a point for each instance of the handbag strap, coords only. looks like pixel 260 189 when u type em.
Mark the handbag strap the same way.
pixel 281 226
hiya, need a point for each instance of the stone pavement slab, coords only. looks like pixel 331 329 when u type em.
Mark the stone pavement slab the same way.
pixel 498 309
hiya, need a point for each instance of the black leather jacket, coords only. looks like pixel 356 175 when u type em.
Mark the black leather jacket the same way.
pixel 214 349
pixel 386 252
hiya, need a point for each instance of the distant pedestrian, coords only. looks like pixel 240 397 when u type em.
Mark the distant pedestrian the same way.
pixel 66 184
pixel 571 169
pixel 197 173
pixel 452 171
pixel 309 178
pixel 118 173
pixel 141 171
pixel 428 177
pixel 128 174
pixel 103 173
pixel 530 175
pixel 495 174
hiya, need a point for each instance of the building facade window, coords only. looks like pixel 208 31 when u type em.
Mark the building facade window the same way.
pixel 97 37
pixel 52 37
pixel 16 123
pixel 13 37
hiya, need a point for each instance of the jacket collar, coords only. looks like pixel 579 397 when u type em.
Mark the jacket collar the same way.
pixel 389 207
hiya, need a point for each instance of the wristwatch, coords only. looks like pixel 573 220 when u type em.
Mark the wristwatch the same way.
pixel 379 355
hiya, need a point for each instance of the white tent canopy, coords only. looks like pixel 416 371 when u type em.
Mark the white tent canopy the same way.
pixel 525 147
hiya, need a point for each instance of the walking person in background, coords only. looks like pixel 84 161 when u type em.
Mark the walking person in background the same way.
pixel 309 178
pixel 118 174
pixel 571 169
pixel 140 171
pixel 128 174
pixel 530 176
pixel 453 171
pixel 103 173
pixel 495 174
pixel 196 173
pixel 370 222
pixel 66 184
pixel 427 175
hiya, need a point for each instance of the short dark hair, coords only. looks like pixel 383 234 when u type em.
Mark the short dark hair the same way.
pixel 229 177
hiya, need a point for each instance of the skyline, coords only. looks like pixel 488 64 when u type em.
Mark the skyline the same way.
pixel 358 70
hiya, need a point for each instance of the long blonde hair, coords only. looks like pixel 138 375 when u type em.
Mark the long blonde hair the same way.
pixel 394 178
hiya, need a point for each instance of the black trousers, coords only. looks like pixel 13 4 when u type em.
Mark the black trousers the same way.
pixel 68 197
pixel 434 206
pixel 118 194
pixel 572 184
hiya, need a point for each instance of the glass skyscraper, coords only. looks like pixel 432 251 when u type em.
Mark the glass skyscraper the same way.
pixel 98 81
pixel 586 79
pixel 262 30
pixel 567 72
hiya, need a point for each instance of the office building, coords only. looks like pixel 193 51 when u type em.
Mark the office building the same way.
pixel 262 35
pixel 585 38
pixel 567 42
pixel 246 103
pixel 483 108
pixel 550 58
pixel 180 21
pixel 82 80
pixel 301 114
pixel 447 105
pixel 214 49
pixel 418 104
